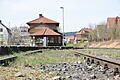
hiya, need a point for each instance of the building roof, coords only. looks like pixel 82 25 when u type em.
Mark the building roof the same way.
pixel 70 37
pixel 42 19
pixel 80 38
pixel 83 31
pixel 45 32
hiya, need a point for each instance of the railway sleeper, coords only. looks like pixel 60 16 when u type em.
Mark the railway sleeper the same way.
pixel 105 65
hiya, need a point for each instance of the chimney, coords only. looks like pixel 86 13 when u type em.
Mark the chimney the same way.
pixel 117 19
pixel 40 15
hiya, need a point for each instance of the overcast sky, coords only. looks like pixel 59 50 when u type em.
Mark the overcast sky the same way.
pixel 78 13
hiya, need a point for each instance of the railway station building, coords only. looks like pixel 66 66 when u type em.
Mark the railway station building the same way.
pixel 44 32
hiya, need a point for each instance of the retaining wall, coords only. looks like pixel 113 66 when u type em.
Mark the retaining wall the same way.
pixel 5 50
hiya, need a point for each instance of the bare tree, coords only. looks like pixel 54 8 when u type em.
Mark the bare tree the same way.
pixel 20 36
pixel 101 33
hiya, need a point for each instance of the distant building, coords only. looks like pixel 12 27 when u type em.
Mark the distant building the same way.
pixel 45 32
pixel 69 39
pixel 83 34
pixel 3 35
pixel 24 35
pixel 20 36
pixel 113 21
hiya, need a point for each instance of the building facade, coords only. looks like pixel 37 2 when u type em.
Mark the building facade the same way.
pixel 82 35
pixel 3 35
pixel 24 35
pixel 113 21
pixel 44 32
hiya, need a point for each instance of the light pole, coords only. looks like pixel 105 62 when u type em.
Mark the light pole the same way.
pixel 63 24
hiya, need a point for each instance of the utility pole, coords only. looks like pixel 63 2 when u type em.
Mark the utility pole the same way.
pixel 63 24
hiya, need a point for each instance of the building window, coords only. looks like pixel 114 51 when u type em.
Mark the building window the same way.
pixel 1 29
pixel 39 40
pixel 40 27
pixel 1 37
pixel 51 39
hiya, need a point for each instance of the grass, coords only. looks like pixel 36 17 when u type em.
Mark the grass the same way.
pixel 114 53
pixel 80 44
pixel 48 57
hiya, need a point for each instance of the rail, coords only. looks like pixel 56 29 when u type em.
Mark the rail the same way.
pixel 100 60
pixel 6 61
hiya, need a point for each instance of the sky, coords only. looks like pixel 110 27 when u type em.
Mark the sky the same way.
pixel 77 13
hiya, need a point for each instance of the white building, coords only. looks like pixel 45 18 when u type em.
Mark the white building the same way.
pixel 3 35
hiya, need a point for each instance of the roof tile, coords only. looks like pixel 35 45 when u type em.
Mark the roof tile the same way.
pixel 42 19
pixel 45 32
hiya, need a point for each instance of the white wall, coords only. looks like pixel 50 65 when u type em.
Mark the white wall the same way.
pixel 3 35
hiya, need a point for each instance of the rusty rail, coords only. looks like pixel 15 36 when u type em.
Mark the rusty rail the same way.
pixel 100 58
pixel 104 61
pixel 32 52
pixel 7 60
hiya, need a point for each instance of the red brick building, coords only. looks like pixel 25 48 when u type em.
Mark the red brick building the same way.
pixel 113 21
pixel 44 32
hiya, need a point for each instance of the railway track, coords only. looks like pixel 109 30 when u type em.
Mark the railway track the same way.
pixel 33 52
pixel 100 60
pixel 88 68
pixel 7 60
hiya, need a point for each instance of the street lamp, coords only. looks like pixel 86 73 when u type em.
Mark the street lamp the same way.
pixel 63 23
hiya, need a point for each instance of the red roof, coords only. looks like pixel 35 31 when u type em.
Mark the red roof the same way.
pixel 70 37
pixel 42 19
pixel 45 32
pixel 83 31
pixel 80 38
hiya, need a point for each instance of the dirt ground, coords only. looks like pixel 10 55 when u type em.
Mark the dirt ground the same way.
pixel 106 44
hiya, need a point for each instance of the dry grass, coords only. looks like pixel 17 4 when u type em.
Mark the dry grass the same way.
pixel 8 73
pixel 106 44
pixel 114 53
pixel 48 57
